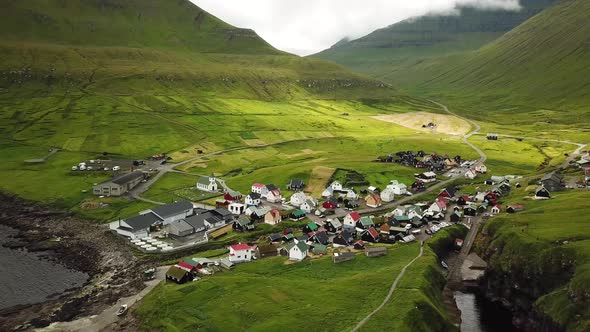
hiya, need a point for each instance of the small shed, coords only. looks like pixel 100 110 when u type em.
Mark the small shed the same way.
pixel 339 257
pixel 178 275
pixel 375 251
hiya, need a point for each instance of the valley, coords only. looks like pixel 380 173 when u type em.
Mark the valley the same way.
pixel 474 114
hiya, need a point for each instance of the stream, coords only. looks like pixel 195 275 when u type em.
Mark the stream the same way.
pixel 481 315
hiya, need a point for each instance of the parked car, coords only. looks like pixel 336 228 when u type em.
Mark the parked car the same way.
pixel 116 168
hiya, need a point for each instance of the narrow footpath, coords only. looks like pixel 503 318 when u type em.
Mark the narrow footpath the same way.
pixel 391 290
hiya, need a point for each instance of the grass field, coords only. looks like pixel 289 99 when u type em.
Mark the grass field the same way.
pixel 270 295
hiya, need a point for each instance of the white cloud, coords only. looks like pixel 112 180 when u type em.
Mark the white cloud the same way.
pixel 307 26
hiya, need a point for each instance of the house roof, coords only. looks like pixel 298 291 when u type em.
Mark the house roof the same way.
pixel 366 221
pixel 176 272
pixel 274 213
pixel 198 221
pixel 335 223
pixel 240 246
pixel 244 221
pixel 320 248
pixel 299 213
pixel 401 218
pixel 355 216
pixel 296 183
pixel 257 185
pixel 254 195
pixel 300 244
pixel 181 226
pixel 373 232
pixel 222 212
pixel 186 265
pixel 142 221
pixel 203 180
pixel 429 174
pixel 271 187
pixel 397 229
pixel 126 178
pixel 173 209
pixel 553 176
pixel 234 193
pixel 450 190
pixel 312 226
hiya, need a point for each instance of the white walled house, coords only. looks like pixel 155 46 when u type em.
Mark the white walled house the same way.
pixel 387 195
pixel 298 198
pixel 470 174
pixel 336 185
pixel 257 188
pixel 328 192
pixel 274 196
pixel 481 168
pixel 351 219
pixel 240 253
pixel 298 250
pixel 397 187
pixel 236 208
pixel 253 199
pixel 309 205
pixel 207 183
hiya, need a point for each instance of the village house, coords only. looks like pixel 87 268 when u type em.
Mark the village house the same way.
pixel 343 239
pixel 319 249
pixel 480 168
pixel 333 225
pixel 470 174
pixel 295 185
pixel 447 193
pixel 387 195
pixel 243 224
pixel 328 192
pixel 418 186
pixel 310 227
pixel 470 210
pixel 257 213
pixel 364 223
pixel 207 183
pixel 298 198
pixel 336 186
pixel 463 200
pixel 370 235
pixel 298 250
pixel 514 208
pixel 359 245
pixel 426 177
pixel 552 182
pixel 232 196
pixel 309 205
pixel 257 188
pixel 414 212
pixel 330 204
pixel 456 216
pixel 373 201
pixel 177 275
pixel 236 208
pixel 496 209
pixel 320 237
pixel 241 252
pixel 438 206
pixel 273 217
pixel 351 219
pixel 397 187
pixel 297 215
pixel 119 185
pixel 253 199
pixel 274 196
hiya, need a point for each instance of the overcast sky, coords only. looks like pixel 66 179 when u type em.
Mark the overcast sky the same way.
pixel 308 26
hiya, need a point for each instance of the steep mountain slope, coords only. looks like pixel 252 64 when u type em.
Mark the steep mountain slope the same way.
pixel 542 66
pixel 383 52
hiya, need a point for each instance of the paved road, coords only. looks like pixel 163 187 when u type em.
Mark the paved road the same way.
pixel 390 293
pixel 477 128
pixel 102 321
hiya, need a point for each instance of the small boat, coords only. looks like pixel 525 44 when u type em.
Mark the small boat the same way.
pixel 122 310
pixel 444 264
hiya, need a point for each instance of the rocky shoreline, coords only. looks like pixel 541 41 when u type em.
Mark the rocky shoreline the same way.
pixel 79 245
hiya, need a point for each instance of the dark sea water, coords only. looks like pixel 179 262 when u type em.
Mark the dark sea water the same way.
pixel 28 278
pixel 481 315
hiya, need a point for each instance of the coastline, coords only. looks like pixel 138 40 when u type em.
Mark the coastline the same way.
pixel 79 245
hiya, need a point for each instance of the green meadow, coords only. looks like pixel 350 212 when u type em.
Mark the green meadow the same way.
pixel 272 294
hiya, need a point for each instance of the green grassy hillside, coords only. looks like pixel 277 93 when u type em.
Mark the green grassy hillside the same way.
pixel 386 52
pixel 541 256
pixel 541 66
